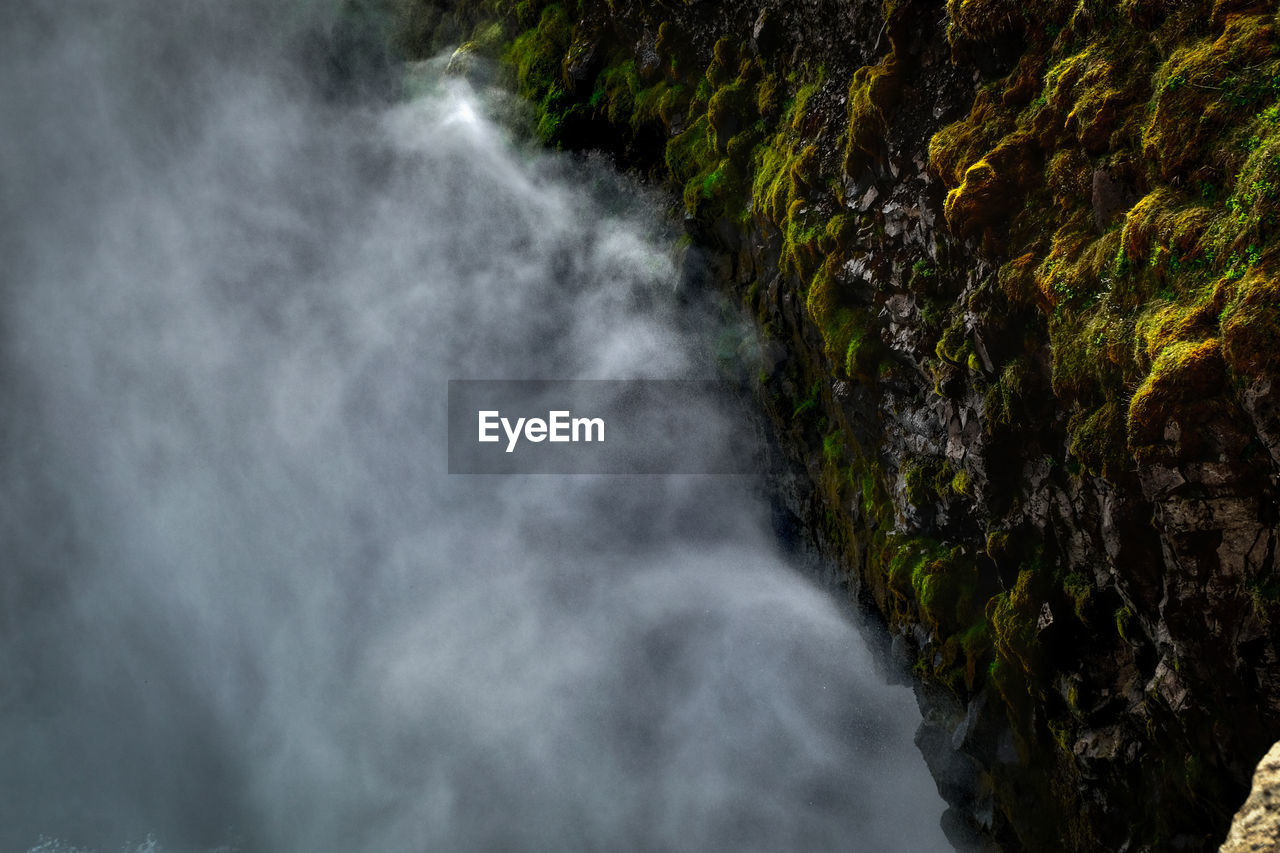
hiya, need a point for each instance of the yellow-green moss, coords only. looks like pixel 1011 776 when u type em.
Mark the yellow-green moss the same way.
pixel 1206 88
pixel 957 146
pixel 1251 325
pixel 991 188
pixel 942 580
pixel 537 53
pixel 872 92
pixel 1184 371
pixel 1013 616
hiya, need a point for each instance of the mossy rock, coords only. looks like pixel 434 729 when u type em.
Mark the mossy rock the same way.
pixel 1184 375
pixel 991 188
pixel 1205 87
pixel 1013 616
pixel 957 146
pixel 873 91
pixel 1251 326
pixel 727 112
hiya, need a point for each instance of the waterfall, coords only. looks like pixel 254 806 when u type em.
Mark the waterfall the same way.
pixel 244 606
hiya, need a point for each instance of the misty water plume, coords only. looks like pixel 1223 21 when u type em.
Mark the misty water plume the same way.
pixel 243 606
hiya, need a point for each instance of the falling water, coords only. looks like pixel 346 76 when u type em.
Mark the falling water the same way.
pixel 243 606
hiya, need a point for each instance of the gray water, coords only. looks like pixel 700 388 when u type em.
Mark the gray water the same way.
pixel 243 606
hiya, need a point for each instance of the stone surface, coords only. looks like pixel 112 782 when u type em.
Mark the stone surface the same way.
pixel 1256 827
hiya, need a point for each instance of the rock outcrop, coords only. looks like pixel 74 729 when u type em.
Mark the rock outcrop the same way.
pixel 1256 828
pixel 1014 268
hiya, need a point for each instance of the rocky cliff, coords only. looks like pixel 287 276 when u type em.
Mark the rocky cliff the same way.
pixel 1014 269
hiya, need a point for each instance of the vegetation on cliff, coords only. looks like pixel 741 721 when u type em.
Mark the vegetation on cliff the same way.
pixel 1024 261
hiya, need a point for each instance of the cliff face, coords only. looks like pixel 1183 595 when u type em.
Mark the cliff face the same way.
pixel 1015 271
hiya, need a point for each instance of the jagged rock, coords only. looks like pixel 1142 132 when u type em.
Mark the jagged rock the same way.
pixel 1256 827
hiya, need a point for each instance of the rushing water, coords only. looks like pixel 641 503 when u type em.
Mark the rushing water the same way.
pixel 243 607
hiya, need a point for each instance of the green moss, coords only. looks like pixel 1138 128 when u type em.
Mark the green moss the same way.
pixel 724 61
pixel 1005 402
pixel 1013 616
pixel 1251 326
pixel 919 478
pixel 690 153
pixel 798 116
pixel 954 345
pixel 847 330
pixel 769 97
pixel 727 112
pixel 1208 87
pixel 536 57
pixel 1098 438
pixel 1184 372
pixel 942 581
pixel 833 447
pixel 616 92
pixel 990 188
pixel 1161 302
pixel 1124 622
pixel 957 146
pixel 1079 590
pixel 873 91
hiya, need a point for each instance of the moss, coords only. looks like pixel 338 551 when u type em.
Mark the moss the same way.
pixel 727 112
pixel 954 345
pixel 536 56
pixel 1005 402
pixel 1123 619
pixel 724 61
pixel 919 479
pixel 1184 372
pixel 1163 231
pixel 833 448
pixel 842 325
pixel 616 91
pixel 1255 197
pixel 941 579
pixel 799 115
pixel 1098 438
pixel 690 153
pixel 1018 282
pixel 873 91
pixel 1251 326
pixel 1205 88
pixel 999 545
pixel 769 97
pixel 991 187
pixel 957 146
pixel 975 643
pixel 669 43
pixel 1079 590
pixel 803 171
pixel 1013 616
pixel 1150 307
pixel 983 19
